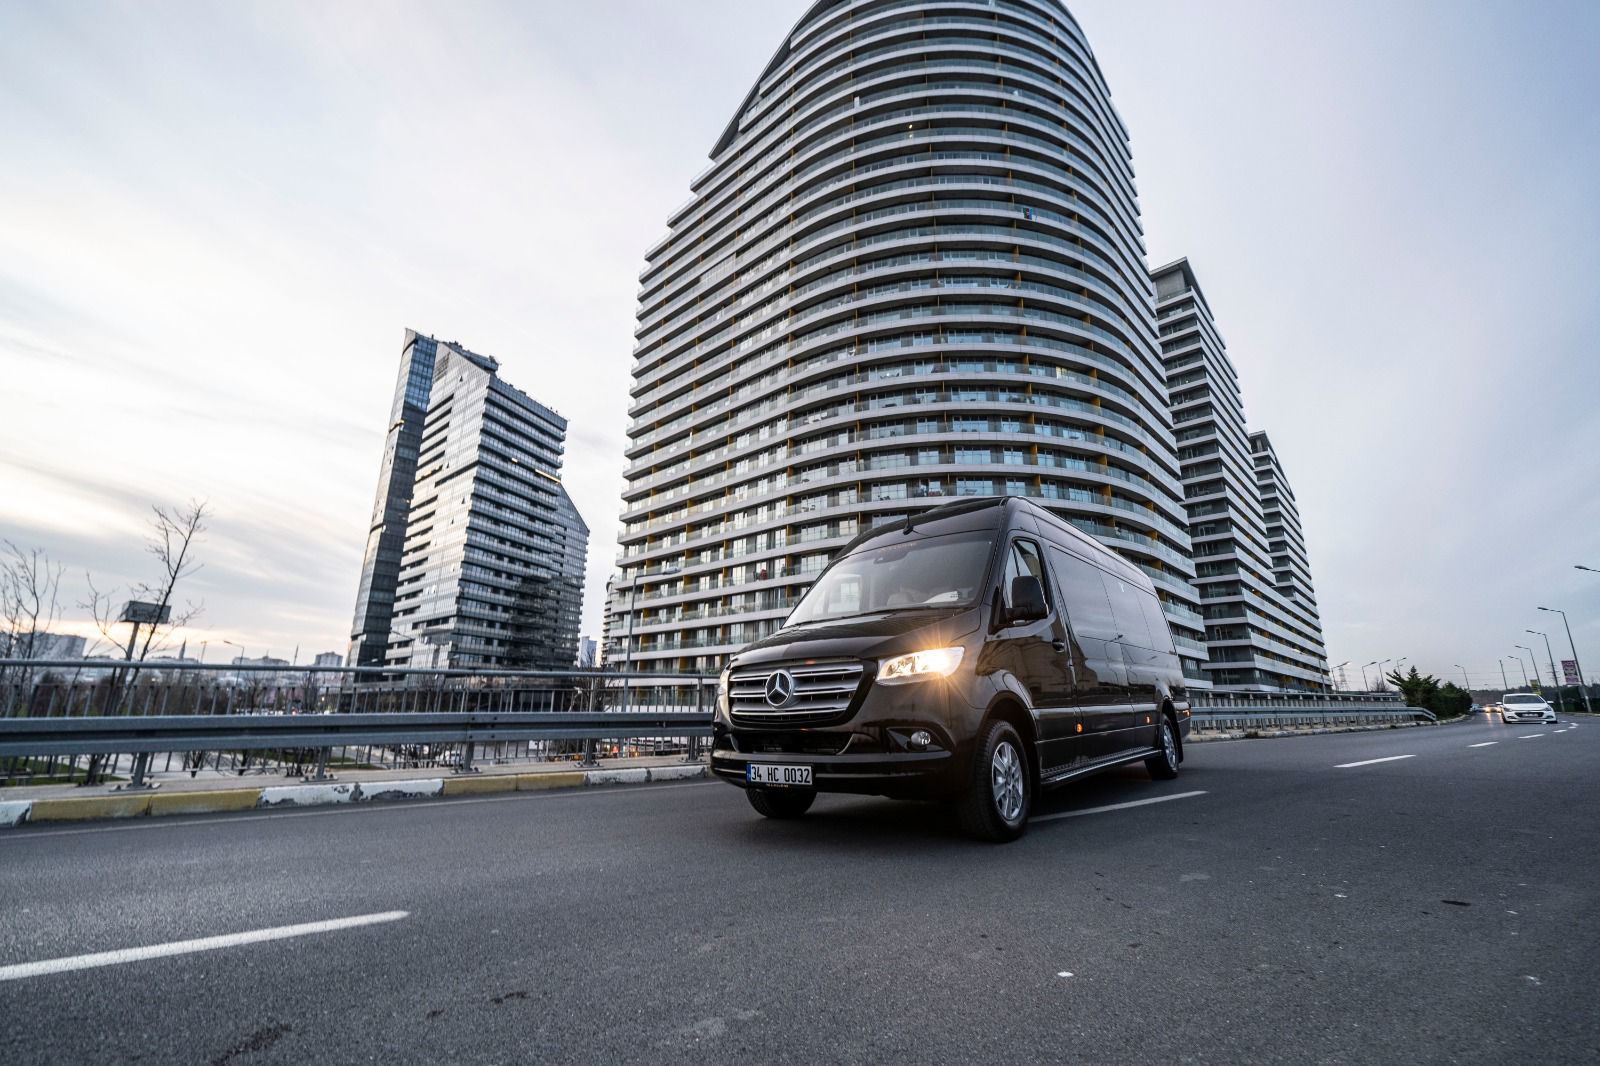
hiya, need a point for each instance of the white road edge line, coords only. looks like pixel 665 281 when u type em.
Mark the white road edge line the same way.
pixel 1117 806
pixel 1485 744
pixel 1369 762
pixel 1531 736
pixel 186 947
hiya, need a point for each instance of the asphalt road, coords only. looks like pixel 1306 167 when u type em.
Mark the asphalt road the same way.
pixel 1437 908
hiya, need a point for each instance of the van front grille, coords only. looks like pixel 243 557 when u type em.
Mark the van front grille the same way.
pixel 817 692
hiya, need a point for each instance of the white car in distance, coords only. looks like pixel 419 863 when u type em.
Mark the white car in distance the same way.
pixel 1526 707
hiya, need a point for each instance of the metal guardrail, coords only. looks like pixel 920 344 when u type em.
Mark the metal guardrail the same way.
pixel 1218 718
pixel 280 718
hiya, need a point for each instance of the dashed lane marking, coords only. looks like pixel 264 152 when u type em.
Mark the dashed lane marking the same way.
pixel 1118 806
pixel 188 947
pixel 1370 762
pixel 1485 744
pixel 1531 736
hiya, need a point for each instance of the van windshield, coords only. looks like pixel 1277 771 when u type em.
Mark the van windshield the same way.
pixel 890 574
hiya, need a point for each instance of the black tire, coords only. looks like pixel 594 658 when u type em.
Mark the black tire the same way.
pixel 780 803
pixel 1163 765
pixel 999 793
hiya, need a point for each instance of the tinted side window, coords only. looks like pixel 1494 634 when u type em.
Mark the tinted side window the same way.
pixel 1126 605
pixel 1023 561
pixel 1083 593
pixel 1156 620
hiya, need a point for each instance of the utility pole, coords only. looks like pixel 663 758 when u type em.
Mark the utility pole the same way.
pixel 1583 689
pixel 1555 678
pixel 1525 679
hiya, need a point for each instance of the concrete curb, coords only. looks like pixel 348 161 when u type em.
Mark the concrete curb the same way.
pixel 19 812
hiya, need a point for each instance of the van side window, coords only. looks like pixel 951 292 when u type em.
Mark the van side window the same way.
pixel 1156 619
pixel 1126 605
pixel 1083 593
pixel 1023 561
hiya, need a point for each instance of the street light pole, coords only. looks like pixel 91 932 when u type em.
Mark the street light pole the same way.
pixel 1505 684
pixel 1381 664
pixel 1529 650
pixel 1464 680
pixel 1365 684
pixel 1555 678
pixel 1582 688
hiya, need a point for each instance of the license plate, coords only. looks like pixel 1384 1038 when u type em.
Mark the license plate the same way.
pixel 770 775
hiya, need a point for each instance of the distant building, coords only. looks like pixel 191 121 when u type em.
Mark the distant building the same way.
pixel 588 653
pixel 1261 625
pixel 328 658
pixel 476 554
pixel 47 646
pixel 397 473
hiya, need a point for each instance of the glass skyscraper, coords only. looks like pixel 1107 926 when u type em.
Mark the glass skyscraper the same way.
pixel 913 271
pixel 486 568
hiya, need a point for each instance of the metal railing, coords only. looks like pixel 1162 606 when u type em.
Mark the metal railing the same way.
pixel 233 719
pixel 1224 710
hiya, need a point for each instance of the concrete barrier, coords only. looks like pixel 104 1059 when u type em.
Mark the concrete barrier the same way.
pixel 81 810
pixel 678 773
pixel 636 775
pixel 307 795
pixel 479 784
pixel 232 799
pixel 211 801
pixel 544 782
pixel 400 790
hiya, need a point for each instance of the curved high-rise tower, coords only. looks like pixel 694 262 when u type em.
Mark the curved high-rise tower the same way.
pixel 913 271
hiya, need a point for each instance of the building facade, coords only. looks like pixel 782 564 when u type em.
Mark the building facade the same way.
pixel 1286 540
pixel 1257 636
pixel 913 271
pixel 491 549
pixel 397 474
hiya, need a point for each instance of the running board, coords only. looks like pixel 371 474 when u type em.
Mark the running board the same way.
pixel 1060 776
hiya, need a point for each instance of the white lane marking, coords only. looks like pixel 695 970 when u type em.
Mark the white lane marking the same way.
pixel 1369 762
pixel 1118 806
pixel 187 947
pixel 1531 736
pixel 260 814
pixel 1485 744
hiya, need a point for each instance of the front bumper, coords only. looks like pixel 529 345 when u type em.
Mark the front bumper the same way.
pixel 910 773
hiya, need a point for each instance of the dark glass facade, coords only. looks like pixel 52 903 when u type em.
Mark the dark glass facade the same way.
pixel 380 569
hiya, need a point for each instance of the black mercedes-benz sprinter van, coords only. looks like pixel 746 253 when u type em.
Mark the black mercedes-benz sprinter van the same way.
pixel 977 652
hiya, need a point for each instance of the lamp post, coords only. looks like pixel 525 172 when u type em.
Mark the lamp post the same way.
pixel 1582 688
pixel 1555 678
pixel 1505 686
pixel 1365 684
pixel 1381 664
pixel 1524 647
pixel 1464 680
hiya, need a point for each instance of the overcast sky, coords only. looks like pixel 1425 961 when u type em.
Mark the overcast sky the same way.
pixel 217 220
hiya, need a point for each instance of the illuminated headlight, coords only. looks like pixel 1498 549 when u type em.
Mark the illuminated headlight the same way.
pixel 722 690
pixel 919 666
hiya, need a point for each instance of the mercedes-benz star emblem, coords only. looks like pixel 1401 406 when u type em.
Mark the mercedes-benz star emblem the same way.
pixel 780 688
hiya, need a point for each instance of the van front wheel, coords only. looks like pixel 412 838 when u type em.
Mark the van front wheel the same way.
pixel 1000 793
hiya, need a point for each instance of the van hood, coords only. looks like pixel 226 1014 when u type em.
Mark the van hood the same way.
pixel 866 636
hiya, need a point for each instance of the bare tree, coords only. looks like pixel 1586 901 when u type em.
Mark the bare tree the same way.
pixel 29 605
pixel 173 536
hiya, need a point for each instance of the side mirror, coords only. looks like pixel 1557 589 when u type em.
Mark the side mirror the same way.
pixel 1027 601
